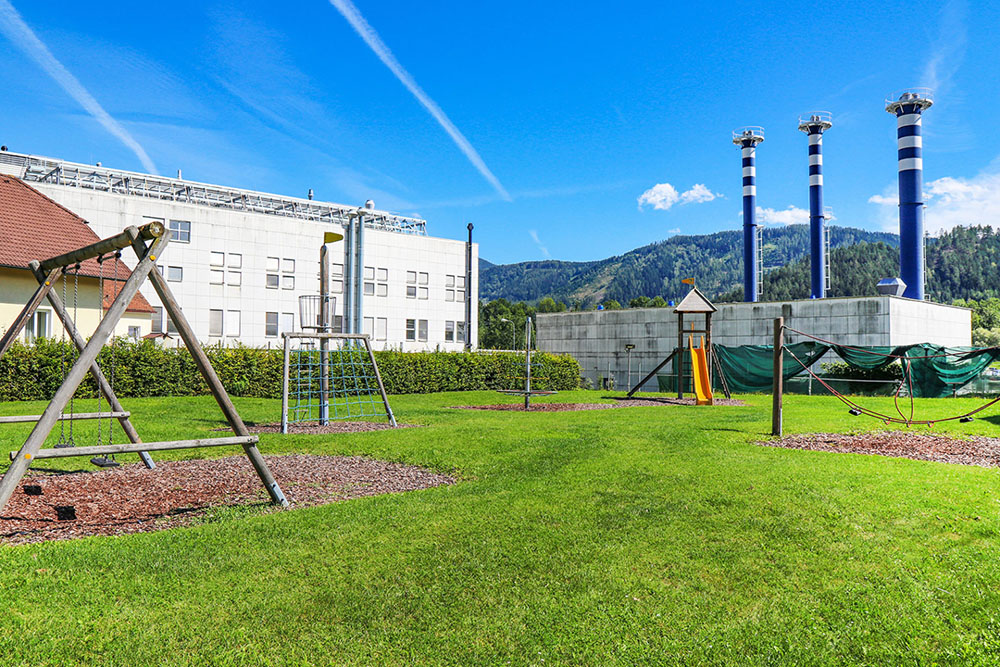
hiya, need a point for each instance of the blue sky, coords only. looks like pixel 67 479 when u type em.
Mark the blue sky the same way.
pixel 541 123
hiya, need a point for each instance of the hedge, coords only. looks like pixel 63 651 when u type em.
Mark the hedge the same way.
pixel 144 368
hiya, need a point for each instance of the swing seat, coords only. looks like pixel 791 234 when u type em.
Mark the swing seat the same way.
pixel 104 462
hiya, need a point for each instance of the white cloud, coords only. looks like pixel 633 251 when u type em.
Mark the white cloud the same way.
pixel 663 195
pixel 534 237
pixel 675 230
pixel 793 215
pixel 375 43
pixel 950 202
pixel 18 32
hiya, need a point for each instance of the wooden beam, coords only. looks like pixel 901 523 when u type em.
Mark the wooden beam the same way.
pixel 649 376
pixel 152 230
pixel 77 372
pixel 27 419
pixel 134 447
pixel 173 310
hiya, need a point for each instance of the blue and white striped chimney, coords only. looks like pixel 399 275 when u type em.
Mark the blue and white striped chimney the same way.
pixel 747 139
pixel 814 125
pixel 907 106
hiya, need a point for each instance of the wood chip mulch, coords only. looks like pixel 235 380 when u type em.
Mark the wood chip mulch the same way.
pixel 572 407
pixel 976 451
pixel 132 499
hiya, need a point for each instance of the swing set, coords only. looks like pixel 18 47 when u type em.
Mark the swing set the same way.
pixel 148 242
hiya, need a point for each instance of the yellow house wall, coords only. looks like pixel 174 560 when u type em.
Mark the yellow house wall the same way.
pixel 17 286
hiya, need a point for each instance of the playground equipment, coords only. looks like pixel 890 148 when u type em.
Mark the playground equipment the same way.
pixel 48 272
pixel 526 391
pixel 923 374
pixel 702 358
pixel 328 385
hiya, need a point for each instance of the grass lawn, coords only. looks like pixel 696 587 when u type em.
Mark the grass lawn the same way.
pixel 641 535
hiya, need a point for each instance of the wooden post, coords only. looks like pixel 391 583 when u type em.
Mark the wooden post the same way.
pixel 777 388
pixel 79 369
pixel 284 382
pixel 680 355
pixel 102 382
pixel 187 334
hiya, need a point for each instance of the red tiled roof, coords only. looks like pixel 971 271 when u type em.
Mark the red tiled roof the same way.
pixel 32 226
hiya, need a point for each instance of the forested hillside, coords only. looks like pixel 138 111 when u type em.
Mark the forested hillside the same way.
pixel 713 260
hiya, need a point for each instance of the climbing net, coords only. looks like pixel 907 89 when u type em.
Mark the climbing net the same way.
pixel 905 361
pixel 330 377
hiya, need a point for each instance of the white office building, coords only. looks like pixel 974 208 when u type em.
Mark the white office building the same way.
pixel 238 260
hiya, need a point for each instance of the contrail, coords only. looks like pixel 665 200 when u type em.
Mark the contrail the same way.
pixel 18 32
pixel 367 33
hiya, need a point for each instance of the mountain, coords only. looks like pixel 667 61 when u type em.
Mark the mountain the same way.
pixel 715 261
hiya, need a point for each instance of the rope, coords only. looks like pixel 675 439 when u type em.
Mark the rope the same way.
pixel 62 364
pixel 114 354
pixel 72 399
pixel 888 419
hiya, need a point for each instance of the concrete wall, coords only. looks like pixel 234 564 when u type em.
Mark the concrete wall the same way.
pixel 597 339
pixel 257 237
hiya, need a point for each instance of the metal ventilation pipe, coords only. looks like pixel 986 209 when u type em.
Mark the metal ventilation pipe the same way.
pixel 814 125
pixel 747 139
pixel 908 107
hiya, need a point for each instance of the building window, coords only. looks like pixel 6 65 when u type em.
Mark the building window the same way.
pixel 370 326
pixel 369 289
pixel 287 322
pixel 411 329
pixel 270 324
pixel 37 326
pixel 449 331
pixel 449 295
pixel 233 318
pixel 272 265
pixel 216 277
pixel 383 289
pixel 156 320
pixel 337 270
pixel 449 281
pixel 422 293
pixel 383 275
pixel 460 332
pixel 235 278
pixel 180 231
pixel 411 291
pixel 175 274
pixel 338 324
pixel 288 265
pixel 422 330
pixel 271 281
pixel 411 277
pixel 214 322
pixel 171 328
pixel 217 258
pixel 235 260
pixel 287 282
pixel 460 296
pixel 424 278
pixel 337 286
pixel 369 273
pixel 460 282
pixel 381 328
pixel 134 332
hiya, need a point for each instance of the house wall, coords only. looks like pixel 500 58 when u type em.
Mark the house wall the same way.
pixel 597 339
pixel 19 285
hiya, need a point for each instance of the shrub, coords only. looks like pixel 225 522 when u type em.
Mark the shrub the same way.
pixel 144 368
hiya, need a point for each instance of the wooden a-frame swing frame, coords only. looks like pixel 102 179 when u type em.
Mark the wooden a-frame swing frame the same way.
pixel 47 272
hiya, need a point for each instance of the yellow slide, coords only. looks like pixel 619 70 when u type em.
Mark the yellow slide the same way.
pixel 699 369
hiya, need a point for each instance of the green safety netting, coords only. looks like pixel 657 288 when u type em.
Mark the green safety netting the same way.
pixel 750 368
pixel 935 371
pixel 936 376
